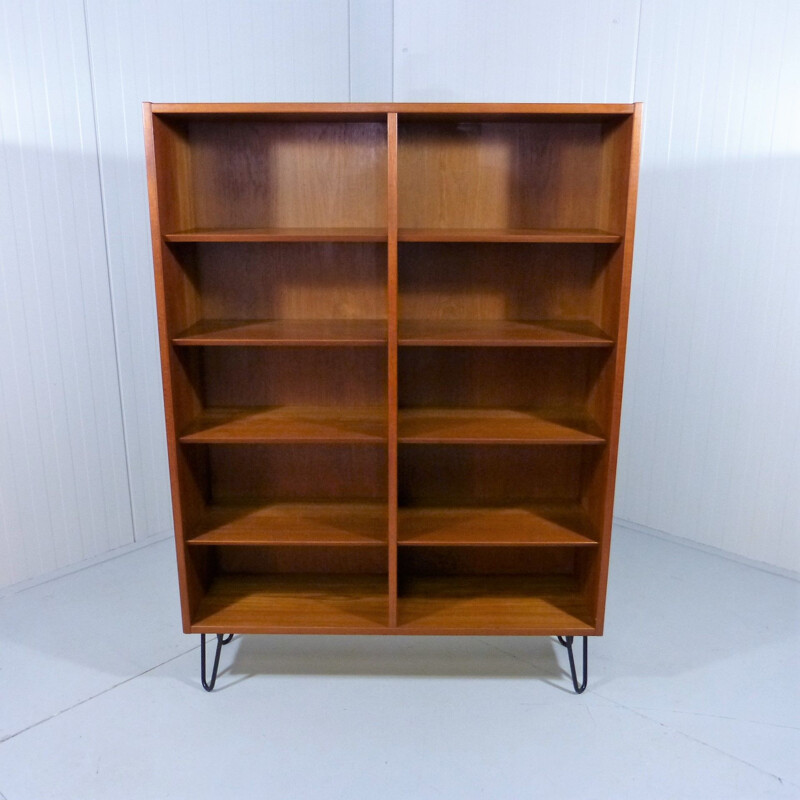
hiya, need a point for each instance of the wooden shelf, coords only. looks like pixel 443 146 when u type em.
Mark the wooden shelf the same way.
pixel 500 426
pixel 542 235
pixel 535 525
pixel 321 424
pixel 354 524
pixel 278 235
pixel 308 332
pixel 496 604
pixel 293 603
pixel 501 333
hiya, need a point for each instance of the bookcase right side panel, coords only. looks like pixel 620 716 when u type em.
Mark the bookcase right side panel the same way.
pixel 618 209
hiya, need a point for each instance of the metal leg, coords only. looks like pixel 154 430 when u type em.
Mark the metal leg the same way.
pixel 221 640
pixel 567 642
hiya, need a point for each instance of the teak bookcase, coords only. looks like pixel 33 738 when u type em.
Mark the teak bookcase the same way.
pixel 392 341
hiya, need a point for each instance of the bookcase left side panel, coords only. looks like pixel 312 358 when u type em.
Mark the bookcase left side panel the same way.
pixel 178 307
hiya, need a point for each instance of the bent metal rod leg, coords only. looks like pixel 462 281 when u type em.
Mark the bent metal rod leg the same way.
pixel 567 641
pixel 222 639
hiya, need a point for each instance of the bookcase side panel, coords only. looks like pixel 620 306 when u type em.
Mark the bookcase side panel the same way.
pixel 622 163
pixel 176 299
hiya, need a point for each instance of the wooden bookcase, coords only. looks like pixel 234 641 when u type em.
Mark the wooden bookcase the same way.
pixel 392 341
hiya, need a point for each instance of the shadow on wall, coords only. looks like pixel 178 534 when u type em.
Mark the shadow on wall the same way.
pixel 63 473
pixel 710 442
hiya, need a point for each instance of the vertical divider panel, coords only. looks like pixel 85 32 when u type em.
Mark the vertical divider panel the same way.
pixel 391 297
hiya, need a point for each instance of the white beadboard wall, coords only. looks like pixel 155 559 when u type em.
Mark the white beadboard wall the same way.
pixel 710 437
pixel 710 448
pixel 371 56
pixel 198 50
pixel 574 51
pixel 63 478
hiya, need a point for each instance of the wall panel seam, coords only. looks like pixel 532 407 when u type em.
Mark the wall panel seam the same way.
pixel 635 74
pixel 112 310
pixel 391 60
pixel 349 54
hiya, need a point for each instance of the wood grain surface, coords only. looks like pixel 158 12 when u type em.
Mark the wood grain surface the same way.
pixel 392 341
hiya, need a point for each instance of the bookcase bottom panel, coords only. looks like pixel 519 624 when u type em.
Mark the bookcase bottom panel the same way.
pixel 358 604
pixel 492 604
pixel 294 603
pixel 441 590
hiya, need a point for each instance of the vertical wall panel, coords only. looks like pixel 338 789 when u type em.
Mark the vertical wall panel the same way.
pixel 63 483
pixel 515 50
pixel 710 432
pixel 371 56
pixel 194 50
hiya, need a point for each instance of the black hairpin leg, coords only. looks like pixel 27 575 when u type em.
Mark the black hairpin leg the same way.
pixel 567 641
pixel 221 640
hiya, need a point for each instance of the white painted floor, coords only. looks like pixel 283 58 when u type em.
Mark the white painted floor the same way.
pixel 693 693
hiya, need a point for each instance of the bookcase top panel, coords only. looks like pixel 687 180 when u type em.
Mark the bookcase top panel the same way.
pixel 377 111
